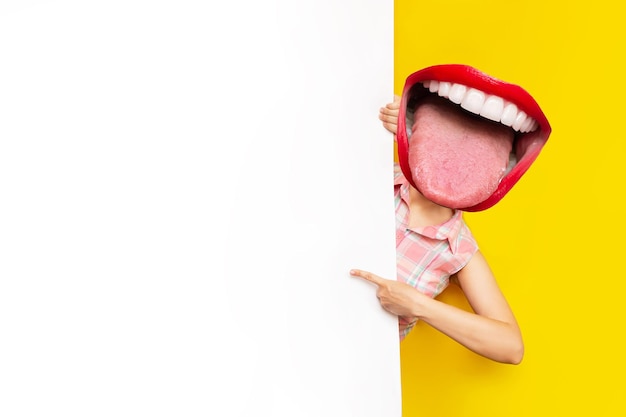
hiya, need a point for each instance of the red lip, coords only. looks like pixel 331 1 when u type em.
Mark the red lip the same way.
pixel 528 145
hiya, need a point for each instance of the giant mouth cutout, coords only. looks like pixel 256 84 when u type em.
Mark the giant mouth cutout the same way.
pixel 473 136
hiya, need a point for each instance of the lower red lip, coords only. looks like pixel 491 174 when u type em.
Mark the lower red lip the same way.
pixel 471 77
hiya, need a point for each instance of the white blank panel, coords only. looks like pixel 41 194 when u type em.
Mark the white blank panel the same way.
pixel 184 186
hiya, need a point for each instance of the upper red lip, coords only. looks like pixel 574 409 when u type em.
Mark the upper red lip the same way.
pixel 471 77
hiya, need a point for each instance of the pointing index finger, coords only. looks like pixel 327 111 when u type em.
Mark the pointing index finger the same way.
pixel 368 276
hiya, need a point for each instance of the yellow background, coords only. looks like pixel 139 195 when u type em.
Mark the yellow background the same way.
pixel 556 242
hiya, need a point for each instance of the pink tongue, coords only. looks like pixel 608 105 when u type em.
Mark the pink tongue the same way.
pixel 456 159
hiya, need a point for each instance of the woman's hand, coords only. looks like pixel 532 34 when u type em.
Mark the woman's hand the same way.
pixel 389 115
pixel 396 297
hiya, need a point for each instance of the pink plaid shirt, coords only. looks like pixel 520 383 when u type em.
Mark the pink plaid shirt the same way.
pixel 428 256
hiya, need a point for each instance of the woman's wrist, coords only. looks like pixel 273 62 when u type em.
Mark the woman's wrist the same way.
pixel 419 305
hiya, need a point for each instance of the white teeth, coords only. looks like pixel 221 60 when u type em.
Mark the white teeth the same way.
pixel 519 120
pixel 473 100
pixel 457 93
pixel 488 106
pixel 493 108
pixel 526 125
pixel 508 114
pixel 444 89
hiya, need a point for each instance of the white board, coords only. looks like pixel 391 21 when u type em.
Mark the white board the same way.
pixel 184 186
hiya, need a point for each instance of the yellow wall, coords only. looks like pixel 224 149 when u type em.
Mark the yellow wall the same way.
pixel 557 241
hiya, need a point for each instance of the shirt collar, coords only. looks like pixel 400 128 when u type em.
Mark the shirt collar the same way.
pixel 448 230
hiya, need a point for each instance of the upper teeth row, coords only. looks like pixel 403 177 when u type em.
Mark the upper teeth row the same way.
pixel 488 106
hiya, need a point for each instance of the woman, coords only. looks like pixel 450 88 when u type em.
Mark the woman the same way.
pixel 491 330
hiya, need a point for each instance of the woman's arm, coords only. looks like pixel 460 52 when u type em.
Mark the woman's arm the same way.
pixel 491 331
